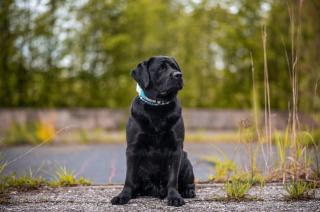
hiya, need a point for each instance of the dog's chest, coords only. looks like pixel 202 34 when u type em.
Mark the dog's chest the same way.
pixel 156 153
pixel 159 124
pixel 159 143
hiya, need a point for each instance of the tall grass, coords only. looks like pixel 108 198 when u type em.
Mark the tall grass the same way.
pixel 297 164
pixel 247 137
pixel 293 73
pixel 282 144
pixel 256 114
pixel 267 104
pixel 294 158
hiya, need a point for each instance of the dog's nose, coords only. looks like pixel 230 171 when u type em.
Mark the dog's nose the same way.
pixel 177 75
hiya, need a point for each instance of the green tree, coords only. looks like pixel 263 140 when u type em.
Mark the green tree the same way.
pixel 70 53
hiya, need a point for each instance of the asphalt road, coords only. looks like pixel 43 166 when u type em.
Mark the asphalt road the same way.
pixel 106 163
pixel 97 198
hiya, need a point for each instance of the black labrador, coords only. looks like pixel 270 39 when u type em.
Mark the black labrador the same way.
pixel 156 163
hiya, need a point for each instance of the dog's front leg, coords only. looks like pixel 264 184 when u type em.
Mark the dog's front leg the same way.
pixel 173 196
pixel 133 159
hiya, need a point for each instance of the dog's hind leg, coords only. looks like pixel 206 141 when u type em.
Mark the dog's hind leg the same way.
pixel 186 186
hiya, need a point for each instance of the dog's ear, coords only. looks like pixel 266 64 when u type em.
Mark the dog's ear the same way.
pixel 141 74
pixel 175 62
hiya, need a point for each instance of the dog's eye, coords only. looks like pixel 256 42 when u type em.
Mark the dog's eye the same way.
pixel 163 66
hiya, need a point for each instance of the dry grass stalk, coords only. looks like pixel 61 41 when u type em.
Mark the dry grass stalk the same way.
pixel 267 107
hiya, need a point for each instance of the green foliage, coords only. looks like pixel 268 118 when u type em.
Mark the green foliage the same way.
pixel 316 136
pixel 2 166
pixel 22 183
pixel 298 190
pixel 245 177
pixel 83 135
pixel 223 169
pixel 83 181
pixel 236 189
pixel 312 138
pixel 316 166
pixel 298 160
pixel 29 182
pixel 282 144
pixel 66 177
pixel 87 61
pixel 31 133
pixel 305 138
pixel 20 134
pixel 227 170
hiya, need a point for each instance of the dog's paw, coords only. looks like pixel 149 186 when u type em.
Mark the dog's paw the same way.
pixel 162 192
pixel 120 199
pixel 189 192
pixel 175 199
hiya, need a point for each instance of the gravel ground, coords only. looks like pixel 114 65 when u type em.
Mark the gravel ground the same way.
pixel 97 198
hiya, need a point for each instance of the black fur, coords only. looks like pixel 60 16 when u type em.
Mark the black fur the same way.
pixel 156 163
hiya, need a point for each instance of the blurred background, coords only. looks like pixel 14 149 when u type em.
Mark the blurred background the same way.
pixel 65 85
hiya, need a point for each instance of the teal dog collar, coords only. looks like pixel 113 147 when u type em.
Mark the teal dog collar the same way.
pixel 147 100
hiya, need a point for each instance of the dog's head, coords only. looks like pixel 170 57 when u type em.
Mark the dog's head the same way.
pixel 160 77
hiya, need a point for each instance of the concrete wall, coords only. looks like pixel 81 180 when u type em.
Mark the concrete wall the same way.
pixel 110 119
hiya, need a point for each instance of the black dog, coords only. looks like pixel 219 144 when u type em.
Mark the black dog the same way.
pixel 156 163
